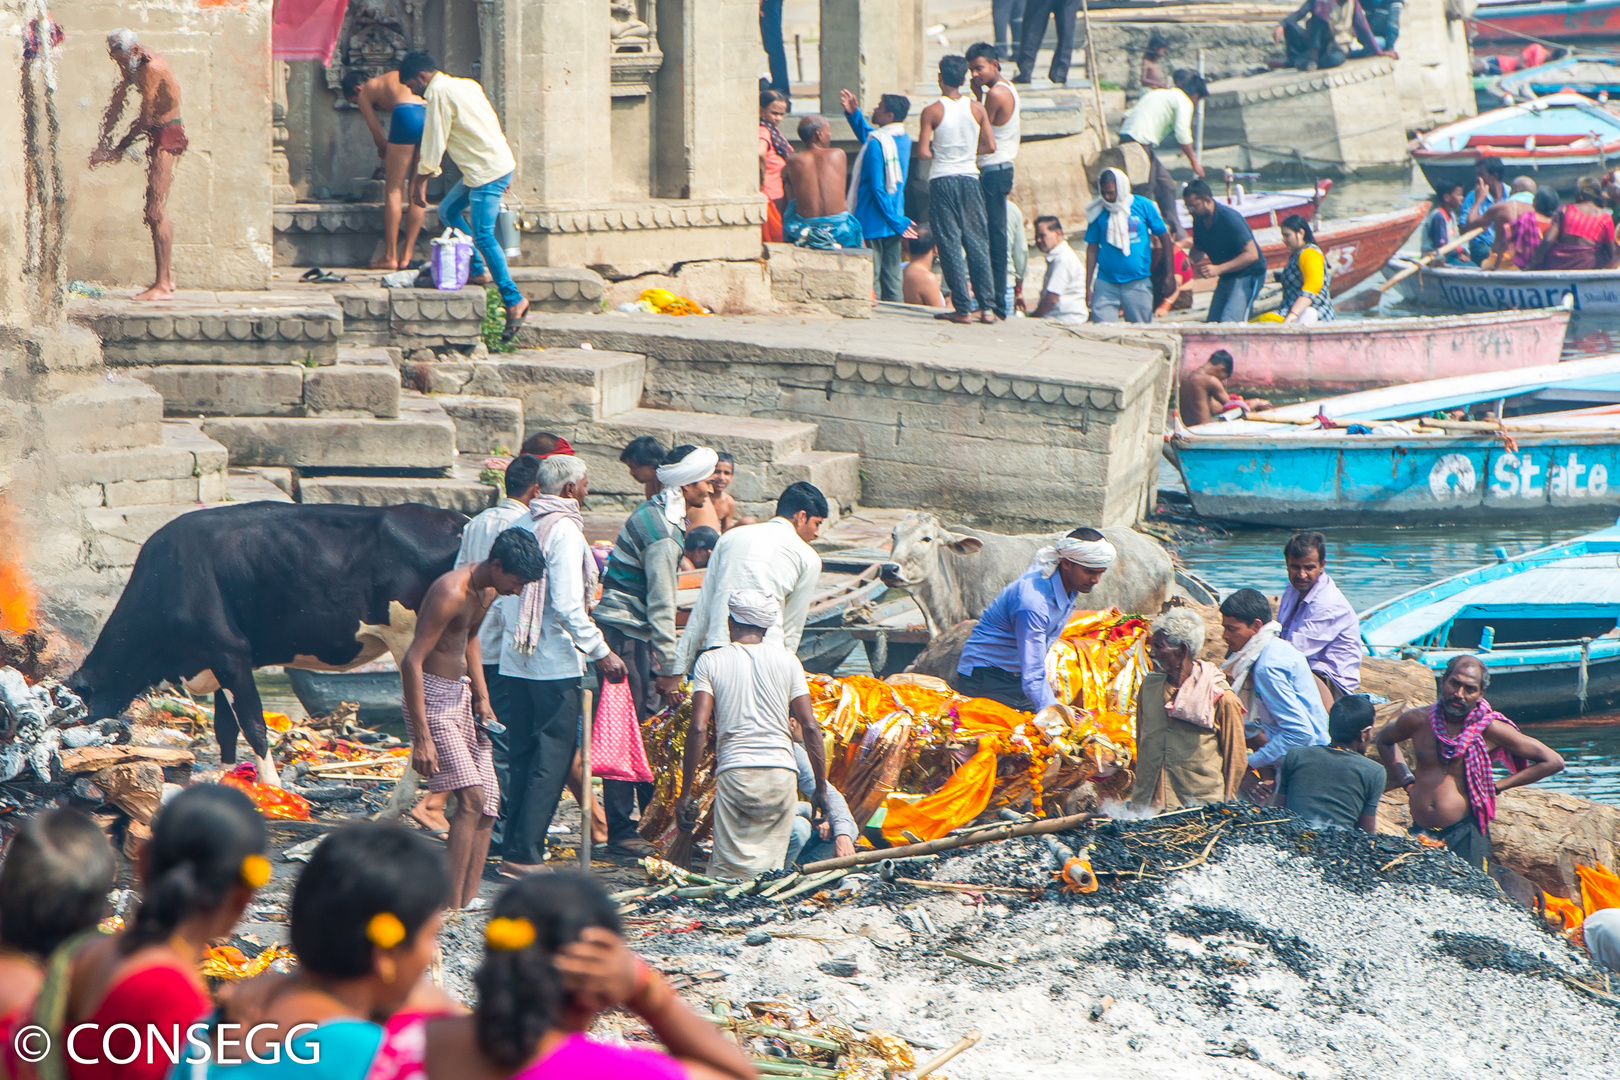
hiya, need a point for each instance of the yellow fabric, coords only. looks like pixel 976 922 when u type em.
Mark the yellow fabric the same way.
pixel 1097 665
pixel 1313 268
pixel 962 798
pixel 1568 912
pixel 1599 888
pixel 461 120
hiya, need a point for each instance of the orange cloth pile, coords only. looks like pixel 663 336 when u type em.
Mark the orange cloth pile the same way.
pixel 272 802
pixel 1600 889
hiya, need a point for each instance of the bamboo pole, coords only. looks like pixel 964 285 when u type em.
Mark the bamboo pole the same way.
pixel 949 843
pixel 1424 260
pixel 944 1056
pixel 587 795
pixel 1094 75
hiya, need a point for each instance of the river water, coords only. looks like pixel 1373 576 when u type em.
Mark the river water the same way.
pixel 1375 564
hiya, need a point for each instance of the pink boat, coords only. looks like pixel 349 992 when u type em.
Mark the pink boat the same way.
pixel 1358 354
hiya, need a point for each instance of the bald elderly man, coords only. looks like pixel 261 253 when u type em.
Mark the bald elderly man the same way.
pixel 1005 656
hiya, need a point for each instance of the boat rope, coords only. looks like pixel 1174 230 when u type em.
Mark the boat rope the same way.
pixel 1541 41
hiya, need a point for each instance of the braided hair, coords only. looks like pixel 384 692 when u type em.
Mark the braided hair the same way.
pixel 520 991
pixel 200 839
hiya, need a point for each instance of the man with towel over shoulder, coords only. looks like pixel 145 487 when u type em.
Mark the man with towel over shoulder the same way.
pixel 1189 739
pixel 1125 237
pixel 1005 656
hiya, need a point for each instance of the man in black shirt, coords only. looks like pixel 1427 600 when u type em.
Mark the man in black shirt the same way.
pixel 1224 247
pixel 1337 784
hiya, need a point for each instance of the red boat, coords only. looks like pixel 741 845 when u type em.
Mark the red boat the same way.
pixel 1355 248
pixel 1264 209
pixel 1554 22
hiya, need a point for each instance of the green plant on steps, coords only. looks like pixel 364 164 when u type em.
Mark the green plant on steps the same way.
pixel 495 322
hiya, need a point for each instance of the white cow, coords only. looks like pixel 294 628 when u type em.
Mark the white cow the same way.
pixel 954 575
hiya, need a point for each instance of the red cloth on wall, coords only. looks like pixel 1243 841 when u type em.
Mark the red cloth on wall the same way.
pixel 306 29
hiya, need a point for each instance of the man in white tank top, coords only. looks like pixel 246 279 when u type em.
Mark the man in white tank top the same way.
pixel 1002 107
pixel 954 130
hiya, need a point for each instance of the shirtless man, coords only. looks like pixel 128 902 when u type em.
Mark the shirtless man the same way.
pixel 918 281
pixel 814 211
pixel 725 506
pixel 398 147
pixel 1453 795
pixel 1204 395
pixel 159 122
pixel 443 680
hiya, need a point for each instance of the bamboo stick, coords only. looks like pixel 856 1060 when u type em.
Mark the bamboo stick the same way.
pixel 331 766
pixel 1425 260
pixel 945 1055
pixel 811 884
pixel 949 843
pixel 1094 75
pixel 588 793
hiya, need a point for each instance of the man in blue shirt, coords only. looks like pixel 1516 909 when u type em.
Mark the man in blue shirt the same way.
pixel 1005 656
pixel 1489 189
pixel 1125 234
pixel 878 187
pixel 1274 681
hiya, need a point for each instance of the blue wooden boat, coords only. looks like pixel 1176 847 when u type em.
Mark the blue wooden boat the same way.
pixel 1546 624
pixel 1555 140
pixel 1511 445
pixel 1585 75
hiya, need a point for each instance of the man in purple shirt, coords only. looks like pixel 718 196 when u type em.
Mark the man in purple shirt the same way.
pixel 1005 656
pixel 1316 618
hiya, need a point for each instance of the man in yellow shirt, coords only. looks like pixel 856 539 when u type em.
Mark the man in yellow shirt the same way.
pixel 461 120
pixel 1156 115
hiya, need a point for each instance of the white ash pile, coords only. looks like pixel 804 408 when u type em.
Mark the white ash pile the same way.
pixel 1279 951
pixel 39 721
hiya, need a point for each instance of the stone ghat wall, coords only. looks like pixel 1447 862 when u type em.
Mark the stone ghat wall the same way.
pixel 1012 428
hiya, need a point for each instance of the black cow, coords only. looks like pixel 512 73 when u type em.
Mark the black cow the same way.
pixel 234 588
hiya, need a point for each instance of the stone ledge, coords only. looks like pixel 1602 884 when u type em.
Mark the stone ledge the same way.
pixel 469 496
pixel 484 425
pixel 560 288
pixel 655 214
pixel 1287 82
pixel 215 328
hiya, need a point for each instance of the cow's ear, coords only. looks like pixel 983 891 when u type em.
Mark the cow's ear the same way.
pixel 963 545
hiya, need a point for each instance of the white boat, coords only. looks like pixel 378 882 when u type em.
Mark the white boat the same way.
pixel 1464 288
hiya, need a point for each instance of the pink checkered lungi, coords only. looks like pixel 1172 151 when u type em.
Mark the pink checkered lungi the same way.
pixel 465 758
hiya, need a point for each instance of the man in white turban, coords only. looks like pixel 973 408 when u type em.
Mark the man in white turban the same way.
pixel 637 615
pixel 754 690
pixel 1005 656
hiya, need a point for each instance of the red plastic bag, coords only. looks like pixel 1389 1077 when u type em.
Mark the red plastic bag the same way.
pixel 616 750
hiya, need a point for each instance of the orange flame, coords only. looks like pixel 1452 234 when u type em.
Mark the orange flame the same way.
pixel 16 588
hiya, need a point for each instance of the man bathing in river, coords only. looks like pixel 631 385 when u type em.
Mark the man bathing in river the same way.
pixel 443 680
pixel 1456 741
pixel 159 122
pixel 1204 395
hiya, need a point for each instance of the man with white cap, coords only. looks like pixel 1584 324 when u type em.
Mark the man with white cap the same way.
pixel 774 557
pixel 754 690
pixel 1005 656
pixel 637 613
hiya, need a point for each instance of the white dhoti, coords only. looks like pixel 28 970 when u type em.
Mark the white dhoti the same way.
pixel 1602 932
pixel 753 821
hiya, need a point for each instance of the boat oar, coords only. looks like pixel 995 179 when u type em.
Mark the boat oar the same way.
pixel 1423 260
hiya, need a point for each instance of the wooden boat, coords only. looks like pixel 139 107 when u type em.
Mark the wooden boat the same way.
pixel 1384 459
pixel 377 693
pixel 1586 75
pixel 1355 248
pixel 1554 140
pixel 1355 354
pixel 1514 24
pixel 1264 209
pixel 1546 624
pixel 1465 288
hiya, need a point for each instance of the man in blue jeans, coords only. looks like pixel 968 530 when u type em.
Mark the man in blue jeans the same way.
pixel 461 120
pixel 1224 247
pixel 770 35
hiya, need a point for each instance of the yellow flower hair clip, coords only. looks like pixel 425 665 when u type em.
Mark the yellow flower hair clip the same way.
pixel 255 871
pixel 385 930
pixel 509 935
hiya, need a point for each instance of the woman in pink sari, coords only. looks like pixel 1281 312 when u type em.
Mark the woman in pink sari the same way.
pixel 553 960
pixel 1581 236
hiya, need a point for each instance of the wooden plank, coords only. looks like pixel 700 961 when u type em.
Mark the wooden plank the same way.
pixel 91 758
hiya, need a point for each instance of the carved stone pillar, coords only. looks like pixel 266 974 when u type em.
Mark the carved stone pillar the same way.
pixel 490 66
pixel 281 189
pixel 862 50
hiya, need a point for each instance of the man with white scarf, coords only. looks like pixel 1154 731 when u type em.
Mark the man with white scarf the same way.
pixel 1005 656
pixel 548 628
pixel 1125 234
pixel 1274 681
pixel 637 613
pixel 877 187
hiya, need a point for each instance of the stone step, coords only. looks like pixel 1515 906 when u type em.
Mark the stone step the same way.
pixel 421 439
pixel 216 328
pixel 460 492
pixel 753 442
pixel 187 466
pixel 117 532
pixel 410 318
pixel 565 289
pixel 558 387
pixel 116 413
pixel 484 425
pixel 837 474
pixel 364 382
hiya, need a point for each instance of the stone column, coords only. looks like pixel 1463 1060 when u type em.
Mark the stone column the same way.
pixel 559 52
pixel 490 50
pixel 863 43
pixel 706 99
pixel 281 189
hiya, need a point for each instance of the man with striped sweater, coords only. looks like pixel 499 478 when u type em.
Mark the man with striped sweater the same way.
pixel 637 612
